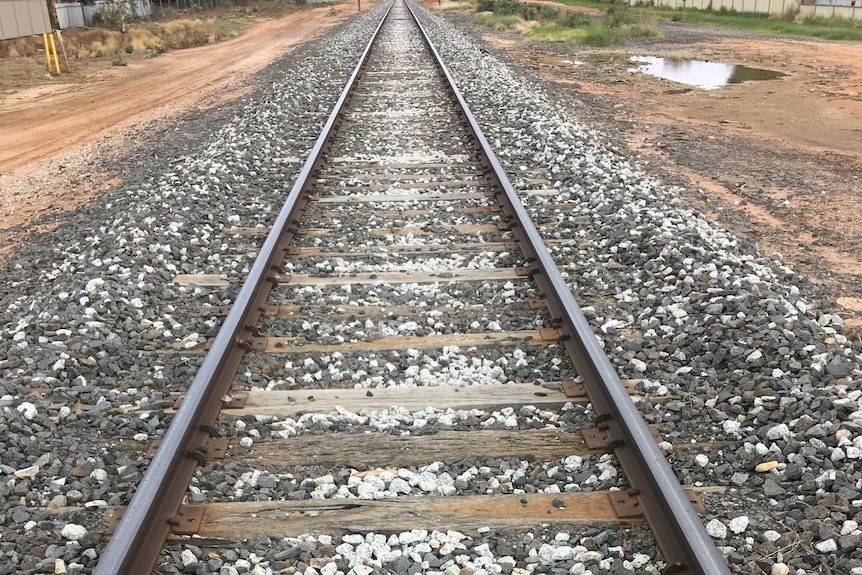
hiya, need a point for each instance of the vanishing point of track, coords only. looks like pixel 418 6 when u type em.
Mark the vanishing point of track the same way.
pixel 402 96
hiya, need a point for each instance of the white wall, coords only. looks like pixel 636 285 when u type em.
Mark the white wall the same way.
pixel 72 14
pixel 822 8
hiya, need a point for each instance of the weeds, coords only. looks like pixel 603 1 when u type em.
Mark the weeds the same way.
pixel 789 23
pixel 111 15
pixel 541 22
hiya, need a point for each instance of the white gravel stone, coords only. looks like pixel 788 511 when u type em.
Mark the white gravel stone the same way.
pixel 771 536
pixel 427 482
pixel 27 472
pixel 716 529
pixel 731 427
pixel 849 526
pixel 99 475
pixel 398 485
pixel 754 356
pixel 780 431
pixel 27 410
pixel 827 546
pixel 73 532
pixel 188 557
pixel 738 524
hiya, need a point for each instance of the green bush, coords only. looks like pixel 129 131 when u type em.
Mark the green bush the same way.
pixel 618 15
pixel 526 11
pixel 572 19
pixel 598 37
pixel 111 15
pixel 128 48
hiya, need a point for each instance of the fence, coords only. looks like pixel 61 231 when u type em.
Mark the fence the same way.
pixel 820 8
pixel 72 14
pixel 23 18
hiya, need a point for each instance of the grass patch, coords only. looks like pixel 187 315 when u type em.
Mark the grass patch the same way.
pixel 468 5
pixel 550 24
pixel 18 47
pixel 781 25
pixel 787 24
pixel 501 23
pixel 556 33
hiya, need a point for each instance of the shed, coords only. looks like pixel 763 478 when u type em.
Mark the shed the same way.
pixel 23 18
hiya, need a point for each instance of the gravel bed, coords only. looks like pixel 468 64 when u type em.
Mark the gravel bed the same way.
pixel 749 357
pixel 456 294
pixel 482 552
pixel 450 217
pixel 336 266
pixel 478 476
pixel 356 327
pixel 753 357
pixel 451 365
pixel 77 302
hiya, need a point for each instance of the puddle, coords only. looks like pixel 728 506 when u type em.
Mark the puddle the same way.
pixel 706 75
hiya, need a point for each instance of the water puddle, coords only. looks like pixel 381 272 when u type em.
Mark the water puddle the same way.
pixel 706 75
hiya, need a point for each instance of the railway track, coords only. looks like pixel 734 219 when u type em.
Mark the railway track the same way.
pixel 402 247
pixel 410 395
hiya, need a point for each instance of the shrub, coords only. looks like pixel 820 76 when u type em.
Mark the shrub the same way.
pixel 619 15
pixel 572 19
pixel 596 36
pixel 525 10
pixel 111 15
pixel 790 13
pixel 128 48
pixel 185 34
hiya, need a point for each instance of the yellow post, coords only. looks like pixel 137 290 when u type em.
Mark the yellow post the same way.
pixel 47 51
pixel 54 51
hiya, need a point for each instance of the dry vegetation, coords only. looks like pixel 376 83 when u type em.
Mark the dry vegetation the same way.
pixel 151 38
pixel 168 29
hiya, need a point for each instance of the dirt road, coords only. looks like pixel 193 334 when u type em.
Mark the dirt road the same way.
pixel 38 122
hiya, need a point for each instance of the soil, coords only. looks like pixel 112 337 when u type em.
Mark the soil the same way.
pixel 50 131
pixel 778 161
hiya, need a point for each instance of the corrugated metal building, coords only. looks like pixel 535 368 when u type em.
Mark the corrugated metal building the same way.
pixel 23 18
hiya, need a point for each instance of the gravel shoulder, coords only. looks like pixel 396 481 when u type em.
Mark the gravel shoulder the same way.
pixel 777 162
pixel 747 352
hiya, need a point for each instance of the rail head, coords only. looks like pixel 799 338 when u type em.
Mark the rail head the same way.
pixel 680 533
pixel 140 535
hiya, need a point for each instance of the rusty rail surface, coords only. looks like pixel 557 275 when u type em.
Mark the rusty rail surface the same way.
pixel 680 533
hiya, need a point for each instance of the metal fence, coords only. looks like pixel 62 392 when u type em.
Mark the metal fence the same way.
pixel 23 18
pixel 851 9
pixel 72 14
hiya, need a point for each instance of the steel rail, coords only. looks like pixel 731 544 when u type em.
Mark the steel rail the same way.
pixel 139 537
pixel 680 533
